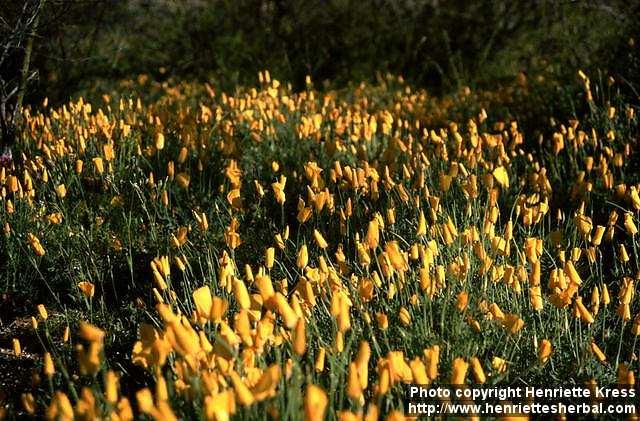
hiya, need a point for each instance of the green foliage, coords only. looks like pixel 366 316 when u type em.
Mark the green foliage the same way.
pixel 439 46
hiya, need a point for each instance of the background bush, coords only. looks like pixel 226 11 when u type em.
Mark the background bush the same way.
pixel 438 45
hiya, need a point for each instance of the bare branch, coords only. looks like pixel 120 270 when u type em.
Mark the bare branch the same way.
pixel 26 62
pixel 16 47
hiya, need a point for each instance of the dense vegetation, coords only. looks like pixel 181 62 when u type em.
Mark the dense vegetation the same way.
pixel 85 46
pixel 195 242
pixel 212 241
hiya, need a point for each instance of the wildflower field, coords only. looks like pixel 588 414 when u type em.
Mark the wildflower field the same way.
pixel 174 251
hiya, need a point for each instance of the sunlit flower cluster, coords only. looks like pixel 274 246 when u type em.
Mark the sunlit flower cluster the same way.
pixel 313 251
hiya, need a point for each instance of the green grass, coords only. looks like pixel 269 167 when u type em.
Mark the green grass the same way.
pixel 114 224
